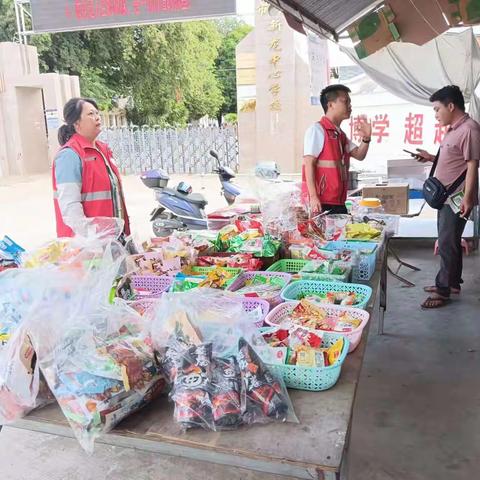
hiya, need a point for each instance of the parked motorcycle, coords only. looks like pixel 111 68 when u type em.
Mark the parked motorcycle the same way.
pixel 181 209
pixel 226 174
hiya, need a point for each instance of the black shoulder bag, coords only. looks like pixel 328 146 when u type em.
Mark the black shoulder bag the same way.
pixel 434 191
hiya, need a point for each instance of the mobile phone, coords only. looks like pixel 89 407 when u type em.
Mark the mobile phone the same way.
pixel 411 153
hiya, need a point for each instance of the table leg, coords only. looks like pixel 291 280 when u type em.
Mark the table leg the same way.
pixel 383 288
pixel 408 283
pixel 401 262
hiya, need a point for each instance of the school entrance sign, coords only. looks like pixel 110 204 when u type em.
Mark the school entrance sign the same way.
pixel 70 15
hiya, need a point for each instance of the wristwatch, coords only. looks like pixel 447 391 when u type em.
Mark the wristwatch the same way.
pixel 367 139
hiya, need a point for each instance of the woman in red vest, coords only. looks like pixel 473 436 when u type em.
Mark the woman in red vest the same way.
pixel 86 181
pixel 327 152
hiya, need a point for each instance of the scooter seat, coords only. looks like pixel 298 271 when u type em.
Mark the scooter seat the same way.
pixel 196 198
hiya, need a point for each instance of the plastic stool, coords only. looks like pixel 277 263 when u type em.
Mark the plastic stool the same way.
pixel 465 246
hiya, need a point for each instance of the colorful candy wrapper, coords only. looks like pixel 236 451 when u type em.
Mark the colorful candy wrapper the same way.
pixel 335 351
pixel 192 386
pixel 262 395
pixel 225 396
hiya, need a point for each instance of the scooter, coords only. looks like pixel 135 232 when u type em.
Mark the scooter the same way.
pixel 180 209
pixel 226 174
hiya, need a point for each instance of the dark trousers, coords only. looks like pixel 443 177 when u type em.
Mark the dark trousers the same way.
pixel 450 231
pixel 334 209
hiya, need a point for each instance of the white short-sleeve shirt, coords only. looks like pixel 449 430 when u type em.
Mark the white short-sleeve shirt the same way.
pixel 315 139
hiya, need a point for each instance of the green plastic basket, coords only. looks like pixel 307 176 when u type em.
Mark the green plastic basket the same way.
pixel 294 266
pixel 304 288
pixel 311 378
pixel 205 271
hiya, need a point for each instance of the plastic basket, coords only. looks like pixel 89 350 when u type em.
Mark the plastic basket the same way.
pixel 367 262
pixel 296 290
pixel 282 311
pixel 152 283
pixel 294 266
pixel 205 271
pixel 312 378
pixel 250 304
pixel 241 279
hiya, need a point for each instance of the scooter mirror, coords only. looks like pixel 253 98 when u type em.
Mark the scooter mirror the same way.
pixel 214 154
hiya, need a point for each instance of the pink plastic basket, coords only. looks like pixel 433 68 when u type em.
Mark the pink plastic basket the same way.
pixel 250 304
pixel 281 312
pixel 243 277
pixel 152 283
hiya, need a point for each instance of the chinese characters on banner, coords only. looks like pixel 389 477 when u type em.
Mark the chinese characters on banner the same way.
pixel 413 129
pixel 275 49
pixel 92 9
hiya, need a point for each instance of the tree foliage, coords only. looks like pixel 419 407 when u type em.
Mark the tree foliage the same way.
pixel 8 26
pixel 233 32
pixel 174 73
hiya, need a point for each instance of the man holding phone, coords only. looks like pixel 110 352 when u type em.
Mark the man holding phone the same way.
pixel 459 152
pixel 327 152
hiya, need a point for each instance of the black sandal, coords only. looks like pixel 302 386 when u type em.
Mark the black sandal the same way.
pixel 435 302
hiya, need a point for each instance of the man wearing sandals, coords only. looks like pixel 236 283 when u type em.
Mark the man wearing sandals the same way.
pixel 459 152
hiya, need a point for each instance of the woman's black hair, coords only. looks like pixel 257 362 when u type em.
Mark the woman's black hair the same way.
pixel 71 113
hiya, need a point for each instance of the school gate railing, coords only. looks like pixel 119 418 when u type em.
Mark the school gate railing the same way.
pixel 171 149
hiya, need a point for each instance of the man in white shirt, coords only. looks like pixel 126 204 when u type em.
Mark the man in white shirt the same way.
pixel 327 152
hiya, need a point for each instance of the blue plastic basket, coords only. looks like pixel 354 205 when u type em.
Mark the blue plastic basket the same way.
pixel 303 288
pixel 312 378
pixel 367 262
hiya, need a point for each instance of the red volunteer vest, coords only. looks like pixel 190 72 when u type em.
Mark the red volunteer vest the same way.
pixel 331 171
pixel 96 187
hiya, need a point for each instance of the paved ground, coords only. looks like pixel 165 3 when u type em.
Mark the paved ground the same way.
pixel 416 415
pixel 26 206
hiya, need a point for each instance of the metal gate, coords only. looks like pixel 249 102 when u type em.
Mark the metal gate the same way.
pixel 173 150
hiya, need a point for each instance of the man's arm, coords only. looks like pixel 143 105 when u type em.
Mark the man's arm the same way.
pixel 423 156
pixel 364 130
pixel 471 189
pixel 310 165
pixel 360 152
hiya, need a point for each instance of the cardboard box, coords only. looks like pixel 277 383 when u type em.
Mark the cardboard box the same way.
pixel 407 168
pixel 394 196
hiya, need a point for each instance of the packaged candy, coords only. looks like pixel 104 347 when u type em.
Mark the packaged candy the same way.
pixel 303 348
pixel 10 253
pixel 266 287
pixel 164 257
pixel 22 386
pixel 305 357
pixel 245 261
pixel 217 278
pixel 225 397
pixel 334 352
pixel 227 385
pixel 192 386
pixel 183 283
pixel 362 231
pixel 262 394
